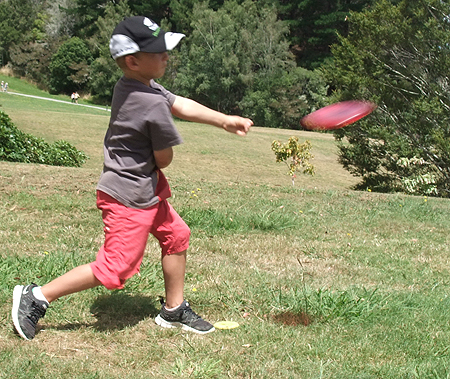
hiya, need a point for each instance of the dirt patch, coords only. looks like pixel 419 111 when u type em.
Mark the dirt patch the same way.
pixel 293 319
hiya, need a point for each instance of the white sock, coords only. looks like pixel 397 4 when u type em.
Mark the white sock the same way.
pixel 172 309
pixel 39 295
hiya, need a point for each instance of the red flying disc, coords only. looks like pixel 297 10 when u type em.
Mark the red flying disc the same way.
pixel 337 115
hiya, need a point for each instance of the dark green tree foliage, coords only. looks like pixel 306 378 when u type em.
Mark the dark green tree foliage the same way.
pixel 69 67
pixel 237 60
pixel 217 64
pixel 104 71
pixel 87 12
pixel 399 57
pixel 16 23
pixel 314 25
pixel 281 101
pixel 157 9
pixel 17 146
pixel 181 12
pixel 31 60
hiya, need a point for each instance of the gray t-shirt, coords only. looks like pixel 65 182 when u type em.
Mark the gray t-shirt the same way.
pixel 141 122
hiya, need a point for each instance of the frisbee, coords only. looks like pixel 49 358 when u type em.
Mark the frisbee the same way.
pixel 226 325
pixel 337 115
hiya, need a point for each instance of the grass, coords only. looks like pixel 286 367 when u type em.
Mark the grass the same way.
pixel 325 282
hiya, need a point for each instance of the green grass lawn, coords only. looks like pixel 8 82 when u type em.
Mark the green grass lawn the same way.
pixel 325 282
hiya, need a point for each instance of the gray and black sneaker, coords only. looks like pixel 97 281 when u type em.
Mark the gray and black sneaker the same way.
pixel 27 310
pixel 185 318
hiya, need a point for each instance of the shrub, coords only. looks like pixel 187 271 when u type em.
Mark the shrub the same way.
pixel 69 67
pixel 296 155
pixel 17 146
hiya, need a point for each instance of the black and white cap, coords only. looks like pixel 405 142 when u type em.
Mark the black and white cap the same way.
pixel 139 33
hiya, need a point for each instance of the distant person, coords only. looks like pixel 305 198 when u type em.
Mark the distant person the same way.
pixel 76 97
pixel 72 97
pixel 3 86
pixel 132 191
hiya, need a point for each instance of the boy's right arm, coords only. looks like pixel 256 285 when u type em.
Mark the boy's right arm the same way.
pixel 190 110
pixel 163 158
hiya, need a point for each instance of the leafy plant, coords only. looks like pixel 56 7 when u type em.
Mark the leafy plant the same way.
pixel 296 155
pixel 17 146
pixel 420 180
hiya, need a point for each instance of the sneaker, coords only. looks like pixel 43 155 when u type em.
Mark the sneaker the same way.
pixel 27 310
pixel 185 318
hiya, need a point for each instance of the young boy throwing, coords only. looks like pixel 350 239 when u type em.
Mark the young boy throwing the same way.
pixel 132 191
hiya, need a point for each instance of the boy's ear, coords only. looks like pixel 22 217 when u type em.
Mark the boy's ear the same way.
pixel 131 62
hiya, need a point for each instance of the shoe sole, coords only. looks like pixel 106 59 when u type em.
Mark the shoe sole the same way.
pixel 170 325
pixel 17 295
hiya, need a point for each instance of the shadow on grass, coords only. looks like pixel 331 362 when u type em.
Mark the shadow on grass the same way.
pixel 117 311
pixel 120 310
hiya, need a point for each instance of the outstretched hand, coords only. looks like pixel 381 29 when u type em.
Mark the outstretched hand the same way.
pixel 237 125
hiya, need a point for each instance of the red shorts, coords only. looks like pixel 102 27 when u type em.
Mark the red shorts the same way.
pixel 126 234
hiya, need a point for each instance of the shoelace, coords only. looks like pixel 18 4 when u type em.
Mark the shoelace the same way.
pixel 190 315
pixel 36 313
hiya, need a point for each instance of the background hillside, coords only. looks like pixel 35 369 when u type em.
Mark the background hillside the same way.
pixel 273 61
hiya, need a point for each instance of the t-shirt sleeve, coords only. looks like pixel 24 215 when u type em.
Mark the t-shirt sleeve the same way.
pixel 169 95
pixel 160 126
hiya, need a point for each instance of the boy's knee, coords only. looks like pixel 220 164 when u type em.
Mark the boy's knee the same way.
pixel 178 242
pixel 113 273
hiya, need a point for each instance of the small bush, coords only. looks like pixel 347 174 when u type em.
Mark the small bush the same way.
pixel 17 146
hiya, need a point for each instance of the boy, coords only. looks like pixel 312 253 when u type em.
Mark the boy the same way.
pixel 132 191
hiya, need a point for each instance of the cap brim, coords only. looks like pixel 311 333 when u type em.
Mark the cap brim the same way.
pixel 172 39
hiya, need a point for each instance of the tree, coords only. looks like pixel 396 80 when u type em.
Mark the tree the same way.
pixel 314 25
pixel 181 12
pixel 69 66
pixel 399 57
pixel 61 22
pixel 85 13
pixel 237 60
pixel 296 155
pixel 88 12
pixel 280 101
pixel 17 19
pixel 31 60
pixel 104 72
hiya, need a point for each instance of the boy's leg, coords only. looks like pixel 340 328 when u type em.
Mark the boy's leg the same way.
pixel 176 314
pixel 174 240
pixel 78 279
pixel 174 268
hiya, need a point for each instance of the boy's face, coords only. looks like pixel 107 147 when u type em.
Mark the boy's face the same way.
pixel 147 66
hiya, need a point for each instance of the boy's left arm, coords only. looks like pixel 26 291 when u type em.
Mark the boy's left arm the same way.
pixel 190 110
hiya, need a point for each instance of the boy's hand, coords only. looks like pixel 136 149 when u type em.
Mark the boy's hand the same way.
pixel 237 125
